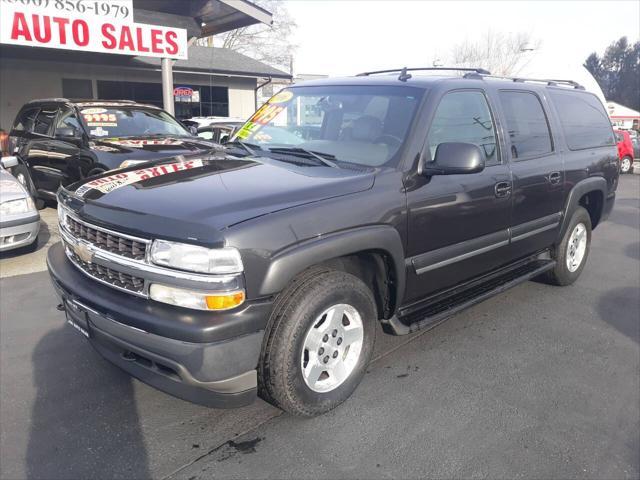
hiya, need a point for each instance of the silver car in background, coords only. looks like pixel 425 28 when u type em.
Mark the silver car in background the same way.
pixel 19 218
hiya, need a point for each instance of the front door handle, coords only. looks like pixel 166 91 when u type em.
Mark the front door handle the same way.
pixel 502 189
pixel 554 178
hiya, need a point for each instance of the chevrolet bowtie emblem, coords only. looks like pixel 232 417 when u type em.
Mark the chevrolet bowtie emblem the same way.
pixel 83 252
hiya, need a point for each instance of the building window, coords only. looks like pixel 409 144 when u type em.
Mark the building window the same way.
pixel 214 101
pixel 77 88
pixel 138 91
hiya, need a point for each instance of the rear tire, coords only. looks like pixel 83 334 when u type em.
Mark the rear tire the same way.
pixel 572 252
pixel 626 165
pixel 318 343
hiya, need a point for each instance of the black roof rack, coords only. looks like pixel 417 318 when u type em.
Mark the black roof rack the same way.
pixel 100 100
pixel 48 100
pixel 550 82
pixel 404 76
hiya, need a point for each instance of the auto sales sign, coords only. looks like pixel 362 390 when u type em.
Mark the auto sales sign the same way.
pixel 104 26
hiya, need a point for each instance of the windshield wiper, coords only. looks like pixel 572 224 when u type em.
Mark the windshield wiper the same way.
pixel 324 158
pixel 249 147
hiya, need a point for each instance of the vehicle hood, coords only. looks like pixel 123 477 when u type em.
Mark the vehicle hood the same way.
pixel 114 151
pixel 196 197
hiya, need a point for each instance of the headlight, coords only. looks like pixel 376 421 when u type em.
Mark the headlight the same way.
pixel 14 207
pixel 130 163
pixel 195 299
pixel 196 259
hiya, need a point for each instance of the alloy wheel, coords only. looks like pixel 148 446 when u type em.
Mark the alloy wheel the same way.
pixel 332 348
pixel 576 247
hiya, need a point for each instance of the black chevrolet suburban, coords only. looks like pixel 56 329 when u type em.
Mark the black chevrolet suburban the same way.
pixel 392 197
pixel 60 141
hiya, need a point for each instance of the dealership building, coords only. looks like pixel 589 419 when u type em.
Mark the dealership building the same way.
pixel 201 81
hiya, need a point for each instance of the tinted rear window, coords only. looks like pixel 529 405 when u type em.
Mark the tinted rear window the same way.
pixel 526 123
pixel 584 121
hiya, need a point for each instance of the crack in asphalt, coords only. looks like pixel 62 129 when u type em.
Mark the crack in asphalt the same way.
pixel 232 443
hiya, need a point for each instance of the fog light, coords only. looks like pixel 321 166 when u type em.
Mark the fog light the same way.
pixel 197 300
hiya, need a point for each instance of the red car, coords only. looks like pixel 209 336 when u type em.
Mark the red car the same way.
pixel 625 151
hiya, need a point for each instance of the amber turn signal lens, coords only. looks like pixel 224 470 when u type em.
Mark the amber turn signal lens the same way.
pixel 196 299
pixel 224 302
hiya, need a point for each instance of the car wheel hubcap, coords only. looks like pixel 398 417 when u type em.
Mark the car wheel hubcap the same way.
pixel 577 247
pixel 332 348
pixel 625 164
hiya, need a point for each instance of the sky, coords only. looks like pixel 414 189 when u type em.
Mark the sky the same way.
pixel 344 37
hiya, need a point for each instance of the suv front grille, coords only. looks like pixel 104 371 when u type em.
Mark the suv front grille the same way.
pixel 109 276
pixel 111 242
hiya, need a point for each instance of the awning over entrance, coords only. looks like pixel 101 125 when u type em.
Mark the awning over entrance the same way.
pixel 201 18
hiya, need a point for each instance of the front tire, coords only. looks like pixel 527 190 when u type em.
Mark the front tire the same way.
pixel 626 165
pixel 572 252
pixel 318 343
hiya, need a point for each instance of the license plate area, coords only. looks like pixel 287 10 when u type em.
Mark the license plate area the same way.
pixel 77 317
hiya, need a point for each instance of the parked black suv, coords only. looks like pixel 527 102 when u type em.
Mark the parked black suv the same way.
pixel 60 141
pixel 266 267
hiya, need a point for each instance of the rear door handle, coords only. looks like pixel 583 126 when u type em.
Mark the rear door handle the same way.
pixel 555 177
pixel 502 189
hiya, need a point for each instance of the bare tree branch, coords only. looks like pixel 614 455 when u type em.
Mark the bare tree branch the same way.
pixel 499 53
pixel 269 44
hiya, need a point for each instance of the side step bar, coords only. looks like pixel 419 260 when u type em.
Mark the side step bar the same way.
pixel 440 307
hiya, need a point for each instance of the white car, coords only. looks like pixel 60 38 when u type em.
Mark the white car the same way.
pixel 19 218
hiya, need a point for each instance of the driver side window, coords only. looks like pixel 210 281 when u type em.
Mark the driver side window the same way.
pixel 464 117
pixel 68 119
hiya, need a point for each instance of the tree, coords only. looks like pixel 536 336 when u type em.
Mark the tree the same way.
pixel 499 53
pixel 271 44
pixel 618 72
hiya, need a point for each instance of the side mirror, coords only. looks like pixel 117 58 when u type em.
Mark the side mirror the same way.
pixel 455 158
pixel 69 134
pixel 9 162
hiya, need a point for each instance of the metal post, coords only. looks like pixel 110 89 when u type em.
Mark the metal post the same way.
pixel 167 85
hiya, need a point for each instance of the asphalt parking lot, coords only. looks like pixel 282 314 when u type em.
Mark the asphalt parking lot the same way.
pixel 540 382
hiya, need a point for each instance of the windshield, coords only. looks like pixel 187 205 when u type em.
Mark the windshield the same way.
pixel 130 122
pixel 366 125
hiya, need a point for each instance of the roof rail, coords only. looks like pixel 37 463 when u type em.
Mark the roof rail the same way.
pixel 404 76
pixel 100 100
pixel 52 100
pixel 550 82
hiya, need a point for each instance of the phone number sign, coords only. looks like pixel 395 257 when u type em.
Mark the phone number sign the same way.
pixel 87 25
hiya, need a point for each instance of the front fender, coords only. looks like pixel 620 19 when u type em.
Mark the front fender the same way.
pixel 288 263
